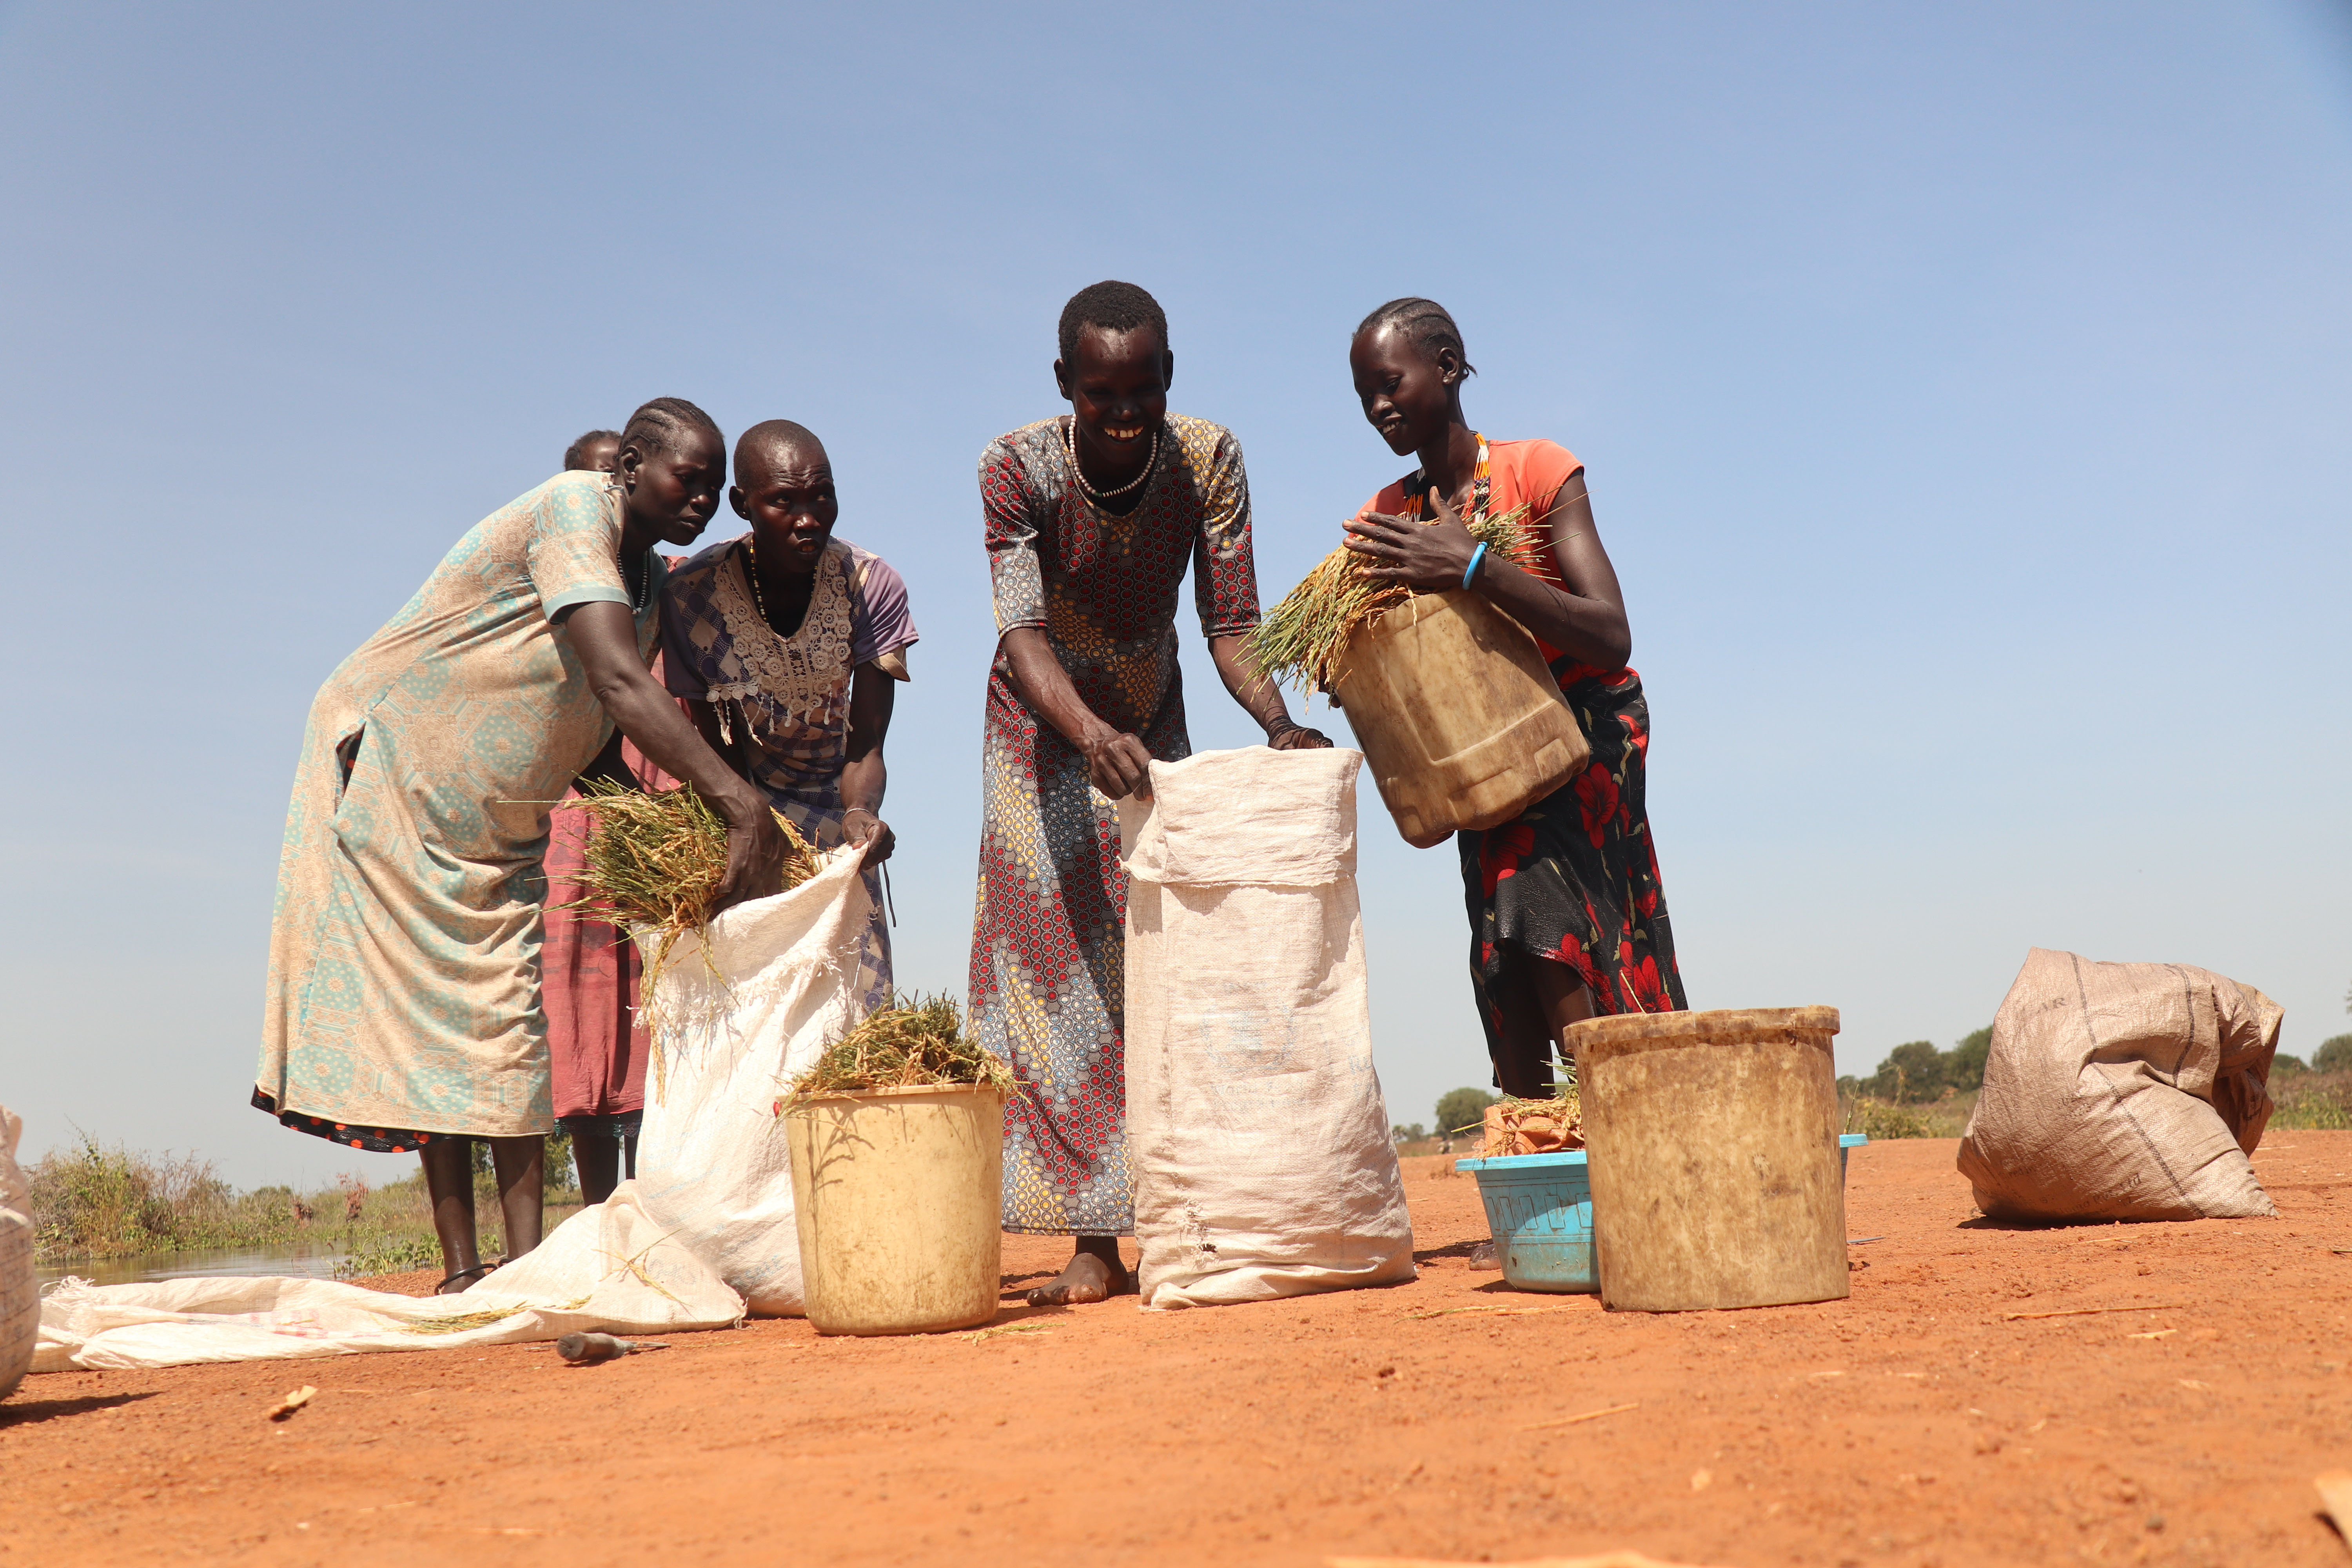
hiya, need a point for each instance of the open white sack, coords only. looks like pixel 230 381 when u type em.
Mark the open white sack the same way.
pixel 609 1268
pixel 1258 1138
pixel 2117 1091
pixel 703 1234
pixel 712 1161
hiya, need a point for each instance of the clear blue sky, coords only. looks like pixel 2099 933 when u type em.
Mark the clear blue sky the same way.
pixel 1966 393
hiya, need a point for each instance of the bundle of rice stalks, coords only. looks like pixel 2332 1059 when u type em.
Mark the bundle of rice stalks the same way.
pixel 915 1042
pixel 1303 638
pixel 655 861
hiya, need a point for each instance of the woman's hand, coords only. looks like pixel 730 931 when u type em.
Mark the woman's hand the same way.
pixel 862 829
pixel 755 850
pixel 1428 556
pixel 1298 738
pixel 1118 763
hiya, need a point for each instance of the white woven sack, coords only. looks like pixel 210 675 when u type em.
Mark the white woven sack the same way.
pixel 20 1292
pixel 712 1161
pixel 1258 1138
pixel 2122 1091
pixel 609 1266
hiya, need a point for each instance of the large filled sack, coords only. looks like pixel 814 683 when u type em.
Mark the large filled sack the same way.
pixel 2123 1091
pixel 740 1018
pixel 1255 1129
pixel 20 1293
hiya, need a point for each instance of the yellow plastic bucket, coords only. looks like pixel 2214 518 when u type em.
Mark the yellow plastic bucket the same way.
pixel 896 1194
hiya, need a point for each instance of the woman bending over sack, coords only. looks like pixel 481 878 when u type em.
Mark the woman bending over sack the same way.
pixel 404 1004
pixel 1567 920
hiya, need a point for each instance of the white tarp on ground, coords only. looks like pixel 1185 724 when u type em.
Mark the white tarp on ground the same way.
pixel 2119 1092
pixel 1255 1127
pixel 704 1234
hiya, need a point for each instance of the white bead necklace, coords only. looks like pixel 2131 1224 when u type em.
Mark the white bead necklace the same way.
pixel 1070 445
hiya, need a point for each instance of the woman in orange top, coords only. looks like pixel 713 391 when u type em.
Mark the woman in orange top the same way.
pixel 1567 920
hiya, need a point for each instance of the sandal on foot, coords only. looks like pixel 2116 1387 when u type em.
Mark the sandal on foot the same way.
pixel 478 1270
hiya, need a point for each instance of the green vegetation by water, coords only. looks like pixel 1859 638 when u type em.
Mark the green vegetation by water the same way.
pixel 96 1202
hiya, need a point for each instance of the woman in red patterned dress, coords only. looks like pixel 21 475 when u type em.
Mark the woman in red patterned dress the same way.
pixel 1567 920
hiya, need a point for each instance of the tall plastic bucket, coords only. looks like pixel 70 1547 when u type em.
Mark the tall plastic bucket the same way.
pixel 1713 1143
pixel 1462 724
pixel 1540 1208
pixel 897 1194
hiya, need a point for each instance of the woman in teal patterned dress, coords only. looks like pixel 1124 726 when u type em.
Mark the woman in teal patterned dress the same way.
pixel 403 1007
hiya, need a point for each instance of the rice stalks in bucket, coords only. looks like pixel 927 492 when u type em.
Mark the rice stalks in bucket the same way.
pixel 915 1042
pixel 1302 640
pixel 654 865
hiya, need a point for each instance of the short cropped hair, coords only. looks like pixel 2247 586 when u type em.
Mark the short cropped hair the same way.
pixel 1112 307
pixel 575 456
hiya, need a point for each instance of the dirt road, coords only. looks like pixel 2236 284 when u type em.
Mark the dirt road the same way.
pixel 1914 1424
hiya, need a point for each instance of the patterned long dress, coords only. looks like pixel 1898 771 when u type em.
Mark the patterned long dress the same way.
pixel 790 696
pixel 403 998
pixel 1574 878
pixel 1048 947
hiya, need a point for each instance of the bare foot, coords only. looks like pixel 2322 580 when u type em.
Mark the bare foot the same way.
pixel 1087 1278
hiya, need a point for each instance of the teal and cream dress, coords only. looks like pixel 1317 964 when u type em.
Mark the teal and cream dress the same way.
pixel 403 997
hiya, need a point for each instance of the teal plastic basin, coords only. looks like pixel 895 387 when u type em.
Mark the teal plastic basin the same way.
pixel 1540 1209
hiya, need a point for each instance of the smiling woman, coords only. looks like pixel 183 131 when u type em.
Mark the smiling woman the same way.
pixel 403 1002
pixel 1091 522
pixel 1568 917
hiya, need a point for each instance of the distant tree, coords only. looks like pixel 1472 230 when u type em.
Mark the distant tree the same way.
pixel 1964 1064
pixel 2282 1065
pixel 2333 1056
pixel 1461 1107
pixel 1408 1132
pixel 1912 1071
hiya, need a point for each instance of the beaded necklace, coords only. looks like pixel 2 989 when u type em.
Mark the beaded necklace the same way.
pixel 1070 445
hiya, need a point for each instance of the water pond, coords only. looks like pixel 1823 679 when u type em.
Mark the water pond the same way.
pixel 316 1263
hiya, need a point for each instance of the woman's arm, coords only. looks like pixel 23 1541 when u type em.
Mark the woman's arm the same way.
pixel 1587 621
pixel 864 775
pixel 1261 698
pixel 605 636
pixel 609 766
pixel 1118 763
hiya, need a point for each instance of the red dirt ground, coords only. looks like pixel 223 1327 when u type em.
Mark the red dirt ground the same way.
pixel 1911 1424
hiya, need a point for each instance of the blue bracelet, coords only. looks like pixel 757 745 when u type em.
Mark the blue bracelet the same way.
pixel 1472 570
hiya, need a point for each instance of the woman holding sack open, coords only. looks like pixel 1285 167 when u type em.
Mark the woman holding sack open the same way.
pixel 1567 919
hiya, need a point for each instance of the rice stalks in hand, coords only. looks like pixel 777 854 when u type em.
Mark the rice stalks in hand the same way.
pixel 654 865
pixel 1302 640
pixel 915 1042
pixel 655 861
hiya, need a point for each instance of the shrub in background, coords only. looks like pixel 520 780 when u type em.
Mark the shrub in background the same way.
pixel 1459 1109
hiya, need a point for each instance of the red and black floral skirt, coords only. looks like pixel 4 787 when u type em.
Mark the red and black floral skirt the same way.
pixel 1574 878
